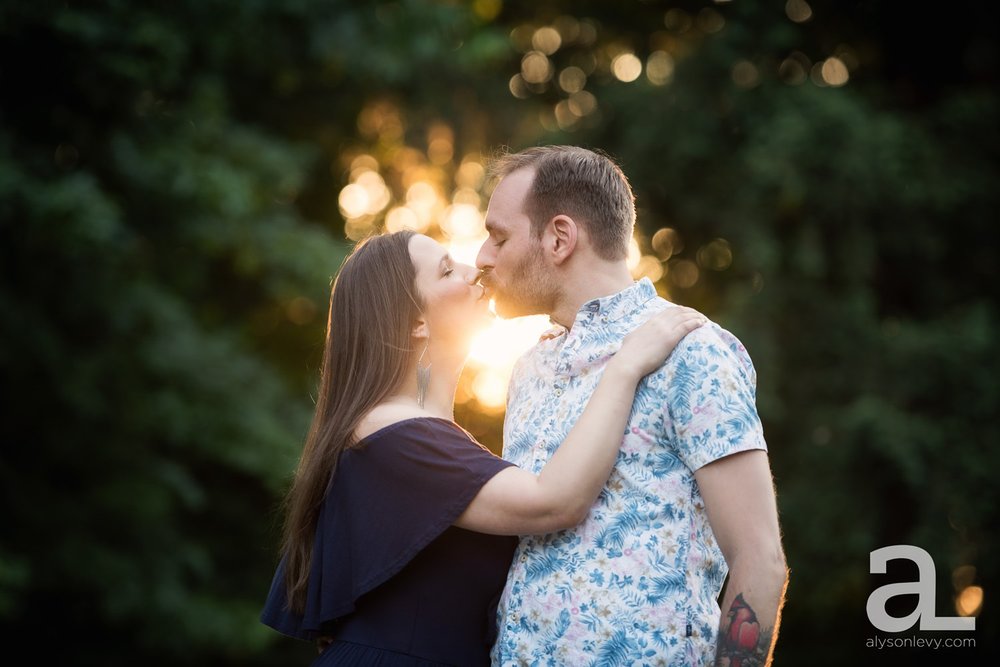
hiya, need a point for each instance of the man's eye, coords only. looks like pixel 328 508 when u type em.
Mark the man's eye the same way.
pixel 499 242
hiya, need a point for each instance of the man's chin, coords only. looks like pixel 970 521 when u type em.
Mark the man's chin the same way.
pixel 508 310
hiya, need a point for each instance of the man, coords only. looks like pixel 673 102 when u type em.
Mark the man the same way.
pixel 638 581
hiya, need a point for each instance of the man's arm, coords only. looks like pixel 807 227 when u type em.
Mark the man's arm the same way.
pixel 739 499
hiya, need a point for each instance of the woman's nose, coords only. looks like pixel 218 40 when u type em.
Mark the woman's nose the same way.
pixel 472 274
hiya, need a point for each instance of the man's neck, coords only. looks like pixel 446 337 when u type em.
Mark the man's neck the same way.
pixel 601 281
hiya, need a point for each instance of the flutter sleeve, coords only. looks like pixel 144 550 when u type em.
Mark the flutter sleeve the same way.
pixel 388 500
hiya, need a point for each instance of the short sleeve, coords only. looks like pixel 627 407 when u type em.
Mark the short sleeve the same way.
pixel 711 398
pixel 388 500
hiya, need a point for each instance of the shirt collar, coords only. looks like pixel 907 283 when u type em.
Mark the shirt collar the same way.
pixel 613 307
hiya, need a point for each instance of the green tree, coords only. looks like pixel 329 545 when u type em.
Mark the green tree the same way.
pixel 170 221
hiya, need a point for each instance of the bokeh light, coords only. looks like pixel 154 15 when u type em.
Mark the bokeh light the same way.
pixel 582 103
pixel 666 242
pixel 834 72
pixel 470 174
pixel 353 201
pixel 402 217
pixel 440 144
pixel 572 79
pixel 467 196
pixel 816 75
pixel 683 273
pixel 794 70
pixel 745 74
pixel 487 10
pixel 716 255
pixel 536 67
pixel 677 20
pixel 969 601
pixel 848 56
pixel 518 88
pixel 710 21
pixel 588 33
pixel 423 199
pixel 648 267
pixel 626 67
pixel 377 194
pixel 659 68
pixel 382 121
pixel 547 40
pixel 462 221
pixel 565 117
pixel 798 11
pixel 520 38
pixel 568 27
pixel 586 61
pixel 362 163
pixel 301 310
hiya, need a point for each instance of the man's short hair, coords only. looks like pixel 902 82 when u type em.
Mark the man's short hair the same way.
pixel 583 184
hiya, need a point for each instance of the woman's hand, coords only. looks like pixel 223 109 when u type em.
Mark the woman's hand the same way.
pixel 647 347
pixel 517 502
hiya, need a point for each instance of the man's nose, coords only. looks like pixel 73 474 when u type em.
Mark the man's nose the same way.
pixel 484 260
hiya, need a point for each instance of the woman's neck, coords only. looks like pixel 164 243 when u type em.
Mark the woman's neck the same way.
pixel 439 398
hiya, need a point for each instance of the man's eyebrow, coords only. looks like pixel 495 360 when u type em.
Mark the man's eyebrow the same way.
pixel 492 227
pixel 444 258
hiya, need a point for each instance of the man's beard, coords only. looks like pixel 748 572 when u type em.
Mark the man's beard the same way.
pixel 528 292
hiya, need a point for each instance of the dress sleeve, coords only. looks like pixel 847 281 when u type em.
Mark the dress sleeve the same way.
pixel 388 500
pixel 711 394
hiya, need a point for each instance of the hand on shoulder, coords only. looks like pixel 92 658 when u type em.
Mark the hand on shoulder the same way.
pixel 647 346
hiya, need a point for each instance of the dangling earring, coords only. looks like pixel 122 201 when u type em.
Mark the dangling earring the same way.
pixel 423 378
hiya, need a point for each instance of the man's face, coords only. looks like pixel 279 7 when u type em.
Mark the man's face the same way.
pixel 517 276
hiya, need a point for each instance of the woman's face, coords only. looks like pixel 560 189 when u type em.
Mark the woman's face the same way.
pixel 455 304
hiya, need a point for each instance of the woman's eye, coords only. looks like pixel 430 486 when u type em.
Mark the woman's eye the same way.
pixel 448 272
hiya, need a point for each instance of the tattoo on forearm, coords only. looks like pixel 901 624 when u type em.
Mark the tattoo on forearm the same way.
pixel 742 642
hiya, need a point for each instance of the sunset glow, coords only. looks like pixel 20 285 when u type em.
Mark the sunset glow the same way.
pixel 494 353
pixel 437 190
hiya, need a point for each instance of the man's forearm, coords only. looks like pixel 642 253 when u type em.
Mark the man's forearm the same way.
pixel 751 614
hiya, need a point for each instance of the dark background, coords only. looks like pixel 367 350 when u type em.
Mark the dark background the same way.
pixel 169 224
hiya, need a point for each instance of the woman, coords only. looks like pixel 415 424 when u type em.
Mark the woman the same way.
pixel 399 528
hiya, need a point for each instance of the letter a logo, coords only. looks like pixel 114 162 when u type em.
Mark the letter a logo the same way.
pixel 923 588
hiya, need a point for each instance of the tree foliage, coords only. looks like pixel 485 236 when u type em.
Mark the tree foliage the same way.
pixel 170 223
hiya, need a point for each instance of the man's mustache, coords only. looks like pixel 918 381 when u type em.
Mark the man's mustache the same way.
pixel 486 279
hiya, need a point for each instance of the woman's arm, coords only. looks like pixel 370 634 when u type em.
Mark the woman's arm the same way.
pixel 517 502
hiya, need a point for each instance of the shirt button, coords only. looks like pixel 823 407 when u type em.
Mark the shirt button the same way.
pixel 558 391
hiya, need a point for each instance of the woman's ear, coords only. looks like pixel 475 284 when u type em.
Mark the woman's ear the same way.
pixel 420 329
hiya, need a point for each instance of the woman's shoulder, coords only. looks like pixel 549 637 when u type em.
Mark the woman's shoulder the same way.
pixel 389 416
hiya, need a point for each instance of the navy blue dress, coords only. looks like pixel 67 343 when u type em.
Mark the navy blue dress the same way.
pixel 392 581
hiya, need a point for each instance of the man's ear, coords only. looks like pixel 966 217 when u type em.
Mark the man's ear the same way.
pixel 563 234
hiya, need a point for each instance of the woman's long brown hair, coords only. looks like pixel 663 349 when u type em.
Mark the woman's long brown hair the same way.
pixel 373 307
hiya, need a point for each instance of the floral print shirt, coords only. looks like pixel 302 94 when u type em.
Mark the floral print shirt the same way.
pixel 637 582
